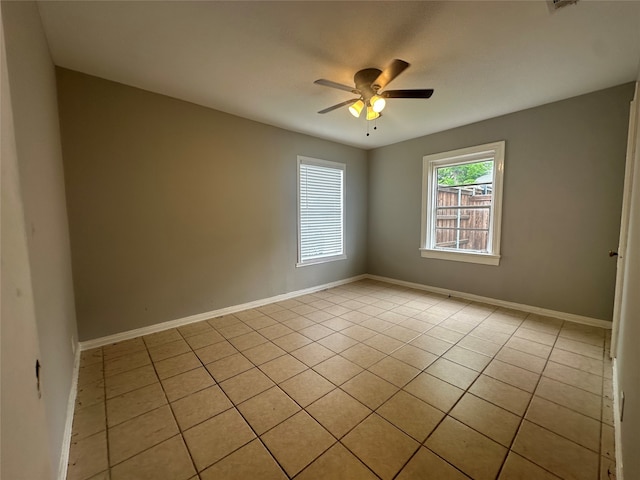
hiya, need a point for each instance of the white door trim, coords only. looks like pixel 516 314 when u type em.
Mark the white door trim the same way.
pixel 632 140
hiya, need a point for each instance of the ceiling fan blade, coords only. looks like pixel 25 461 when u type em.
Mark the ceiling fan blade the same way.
pixel 341 104
pixel 339 86
pixel 394 69
pixel 424 93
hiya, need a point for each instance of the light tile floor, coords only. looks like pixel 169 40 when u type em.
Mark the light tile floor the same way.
pixel 367 380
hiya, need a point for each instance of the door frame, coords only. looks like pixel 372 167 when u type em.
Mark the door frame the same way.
pixel 632 142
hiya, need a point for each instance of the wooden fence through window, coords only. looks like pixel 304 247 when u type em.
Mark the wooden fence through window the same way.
pixel 463 228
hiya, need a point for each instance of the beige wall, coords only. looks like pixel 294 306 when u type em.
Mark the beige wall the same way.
pixel 183 209
pixel 176 209
pixel 38 316
pixel 23 429
pixel 564 169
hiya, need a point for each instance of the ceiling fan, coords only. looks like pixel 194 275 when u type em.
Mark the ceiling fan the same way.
pixel 369 86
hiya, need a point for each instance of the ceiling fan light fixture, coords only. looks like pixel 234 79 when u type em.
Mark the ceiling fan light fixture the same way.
pixel 371 113
pixel 356 108
pixel 377 103
pixel 371 89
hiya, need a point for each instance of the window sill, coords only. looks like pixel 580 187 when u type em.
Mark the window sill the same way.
pixel 316 261
pixel 481 258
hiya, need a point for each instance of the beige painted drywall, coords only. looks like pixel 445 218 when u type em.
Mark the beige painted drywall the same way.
pixel 176 209
pixel 628 356
pixel 24 451
pixel 45 267
pixel 564 169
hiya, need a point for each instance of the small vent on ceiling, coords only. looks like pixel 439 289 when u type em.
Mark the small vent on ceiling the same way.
pixel 557 4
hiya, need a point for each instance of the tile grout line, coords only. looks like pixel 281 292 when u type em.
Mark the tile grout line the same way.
pixel 362 342
pixel 422 444
pixel 256 366
pixel 468 391
pixel 602 395
pixel 303 409
pixel 227 339
pixel 168 404
pixel 175 419
pixel 601 407
pixel 526 410
pixel 558 336
pixel 235 407
pixel 153 363
pixel 106 412
pixel 494 358
pixel 374 411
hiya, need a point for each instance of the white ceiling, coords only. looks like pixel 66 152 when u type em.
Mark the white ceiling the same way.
pixel 259 59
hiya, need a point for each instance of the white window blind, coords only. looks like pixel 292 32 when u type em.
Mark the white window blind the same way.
pixel 321 211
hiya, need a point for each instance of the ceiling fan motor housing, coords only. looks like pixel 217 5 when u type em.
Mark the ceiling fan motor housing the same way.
pixel 364 82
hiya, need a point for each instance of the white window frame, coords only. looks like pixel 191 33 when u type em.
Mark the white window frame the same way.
pixel 329 258
pixel 490 151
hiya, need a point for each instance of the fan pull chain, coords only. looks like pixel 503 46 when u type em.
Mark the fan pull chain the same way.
pixel 375 125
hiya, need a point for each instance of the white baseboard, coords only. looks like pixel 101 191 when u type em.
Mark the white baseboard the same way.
pixel 119 337
pixel 158 327
pixel 616 423
pixel 68 425
pixel 571 317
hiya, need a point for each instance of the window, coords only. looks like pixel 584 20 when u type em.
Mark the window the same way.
pixel 462 204
pixel 320 211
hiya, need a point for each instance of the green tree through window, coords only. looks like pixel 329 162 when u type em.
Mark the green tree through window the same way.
pixel 464 174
